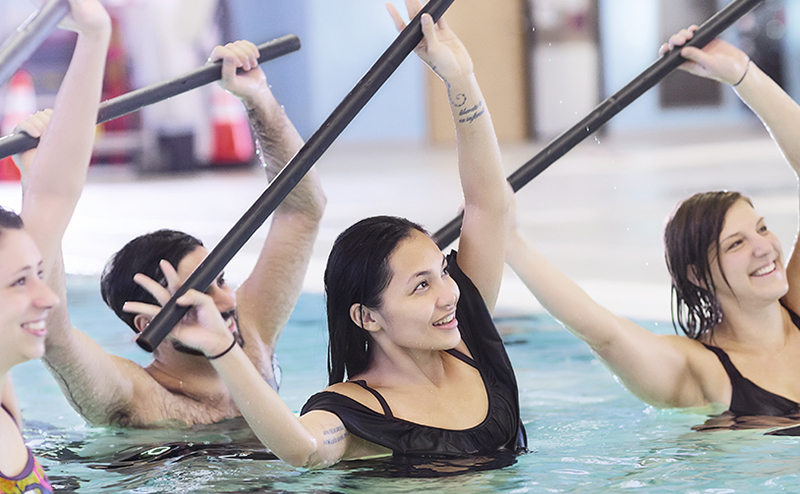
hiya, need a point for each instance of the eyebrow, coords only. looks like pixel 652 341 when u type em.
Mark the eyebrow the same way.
pixel 427 271
pixel 760 220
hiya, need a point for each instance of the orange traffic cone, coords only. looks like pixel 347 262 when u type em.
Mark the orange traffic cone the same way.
pixel 20 102
pixel 232 141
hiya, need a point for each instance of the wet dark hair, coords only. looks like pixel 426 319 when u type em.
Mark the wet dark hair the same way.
pixel 9 220
pixel 691 241
pixel 142 255
pixel 358 273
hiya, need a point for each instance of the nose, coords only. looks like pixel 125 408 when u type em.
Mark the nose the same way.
pixel 449 293
pixel 45 297
pixel 762 245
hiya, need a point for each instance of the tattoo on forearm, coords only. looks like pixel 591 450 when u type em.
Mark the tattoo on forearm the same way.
pixel 335 435
pixel 469 115
pixel 458 100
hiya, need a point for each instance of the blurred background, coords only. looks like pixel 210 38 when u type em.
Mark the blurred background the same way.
pixel 542 64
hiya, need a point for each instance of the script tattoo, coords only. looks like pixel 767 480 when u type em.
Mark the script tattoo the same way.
pixel 458 100
pixel 335 435
pixel 469 115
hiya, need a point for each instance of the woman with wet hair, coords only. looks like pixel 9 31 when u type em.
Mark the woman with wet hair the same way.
pixel 416 366
pixel 30 243
pixel 734 295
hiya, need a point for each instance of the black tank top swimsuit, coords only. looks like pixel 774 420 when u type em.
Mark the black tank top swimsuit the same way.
pixel 747 397
pixel 502 427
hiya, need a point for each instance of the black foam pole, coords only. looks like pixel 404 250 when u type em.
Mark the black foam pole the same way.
pixel 615 103
pixel 135 100
pixel 27 38
pixel 292 173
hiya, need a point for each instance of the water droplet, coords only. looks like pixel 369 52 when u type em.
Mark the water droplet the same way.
pixel 533 29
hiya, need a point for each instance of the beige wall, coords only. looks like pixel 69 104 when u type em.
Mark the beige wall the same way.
pixel 492 31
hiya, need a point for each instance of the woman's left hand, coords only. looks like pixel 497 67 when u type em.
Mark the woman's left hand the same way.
pixel 202 328
pixel 718 60
pixel 440 48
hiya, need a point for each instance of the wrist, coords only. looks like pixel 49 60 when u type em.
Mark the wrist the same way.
pixel 224 352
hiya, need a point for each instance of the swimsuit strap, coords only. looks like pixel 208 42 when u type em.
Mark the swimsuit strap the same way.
pixel 460 356
pixel 723 357
pixel 386 410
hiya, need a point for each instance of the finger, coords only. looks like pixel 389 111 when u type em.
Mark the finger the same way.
pixel 398 21
pixel 413 7
pixel 252 51
pixel 193 298
pixel 429 31
pixel 141 308
pixel 218 53
pixel 154 288
pixel 242 58
pixel 173 279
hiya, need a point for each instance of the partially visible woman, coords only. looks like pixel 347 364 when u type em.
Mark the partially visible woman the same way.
pixel 410 328
pixel 733 296
pixel 52 186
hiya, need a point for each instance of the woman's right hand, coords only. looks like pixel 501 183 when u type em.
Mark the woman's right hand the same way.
pixel 718 60
pixel 201 329
pixel 440 48
pixel 34 126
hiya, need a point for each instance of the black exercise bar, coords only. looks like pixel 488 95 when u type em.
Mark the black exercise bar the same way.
pixel 294 171
pixel 615 103
pixel 135 100
pixel 27 38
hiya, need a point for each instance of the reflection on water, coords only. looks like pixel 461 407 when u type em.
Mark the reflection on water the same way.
pixel 586 433
pixel 729 421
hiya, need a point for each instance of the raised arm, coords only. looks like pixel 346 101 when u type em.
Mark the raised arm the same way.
pixel 55 180
pixel 779 113
pixel 483 234
pixel 266 299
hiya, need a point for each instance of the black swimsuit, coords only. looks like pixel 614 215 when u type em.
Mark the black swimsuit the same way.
pixel 747 397
pixel 502 428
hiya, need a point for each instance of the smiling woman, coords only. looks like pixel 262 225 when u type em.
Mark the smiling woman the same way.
pixel 732 296
pixel 410 330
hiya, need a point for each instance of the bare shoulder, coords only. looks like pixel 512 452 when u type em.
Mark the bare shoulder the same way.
pixel 357 393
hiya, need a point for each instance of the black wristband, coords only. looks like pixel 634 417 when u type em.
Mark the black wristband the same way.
pixel 213 357
pixel 746 70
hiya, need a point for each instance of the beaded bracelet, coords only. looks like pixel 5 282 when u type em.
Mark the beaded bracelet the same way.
pixel 746 69
pixel 213 357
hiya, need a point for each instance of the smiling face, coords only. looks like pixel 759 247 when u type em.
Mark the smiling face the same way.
pixel 751 259
pixel 24 298
pixel 419 304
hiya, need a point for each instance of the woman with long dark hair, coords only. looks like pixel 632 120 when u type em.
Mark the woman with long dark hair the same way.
pixel 416 364
pixel 734 295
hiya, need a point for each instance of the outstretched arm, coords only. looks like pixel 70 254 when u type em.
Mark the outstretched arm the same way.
pixel 779 113
pixel 266 299
pixel 483 234
pixel 316 439
pixel 658 369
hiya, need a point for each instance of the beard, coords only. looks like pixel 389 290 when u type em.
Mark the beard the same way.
pixel 237 336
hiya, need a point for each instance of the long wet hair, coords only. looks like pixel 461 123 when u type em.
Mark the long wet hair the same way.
pixel 357 273
pixel 691 241
pixel 142 255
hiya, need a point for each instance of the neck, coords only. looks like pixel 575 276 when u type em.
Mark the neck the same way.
pixel 191 375
pixel 752 328
pixel 394 365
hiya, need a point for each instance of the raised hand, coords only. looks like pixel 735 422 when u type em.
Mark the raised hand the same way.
pixel 241 55
pixel 34 126
pixel 202 328
pixel 718 60
pixel 440 48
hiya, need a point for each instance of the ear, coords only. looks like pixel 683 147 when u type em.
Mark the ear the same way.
pixel 141 321
pixel 364 318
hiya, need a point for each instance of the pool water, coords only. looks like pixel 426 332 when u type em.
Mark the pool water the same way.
pixel 586 433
